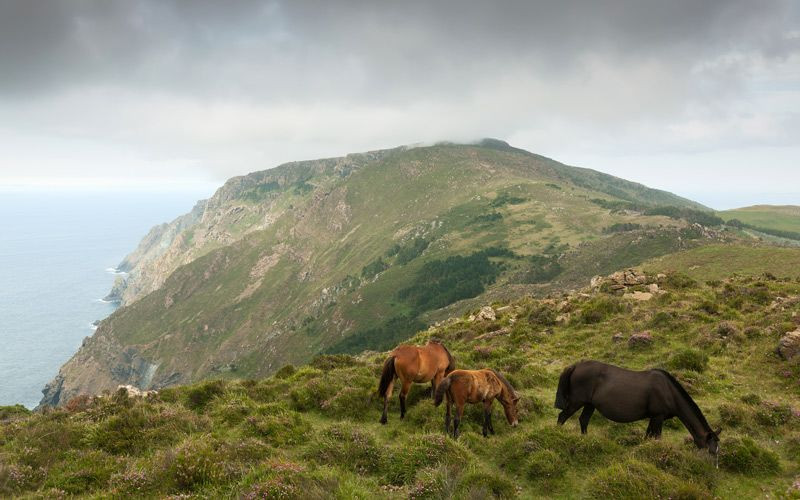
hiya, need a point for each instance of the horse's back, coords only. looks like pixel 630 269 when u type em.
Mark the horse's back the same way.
pixel 618 394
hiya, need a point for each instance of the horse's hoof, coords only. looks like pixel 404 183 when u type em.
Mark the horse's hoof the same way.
pixel 383 421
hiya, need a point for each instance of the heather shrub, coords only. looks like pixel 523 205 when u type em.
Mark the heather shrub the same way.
pixel 687 463
pixel 347 446
pixel 688 359
pixel 419 451
pixel 733 414
pixel 771 414
pixel 633 479
pixel 277 425
pixel 82 471
pixel 599 308
pixel 198 396
pixel 484 484
pixel 744 456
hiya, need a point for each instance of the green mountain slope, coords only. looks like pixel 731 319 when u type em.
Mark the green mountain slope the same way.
pixel 313 432
pixel 781 221
pixel 344 254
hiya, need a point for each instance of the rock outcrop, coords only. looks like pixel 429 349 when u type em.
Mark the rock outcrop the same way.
pixel 789 345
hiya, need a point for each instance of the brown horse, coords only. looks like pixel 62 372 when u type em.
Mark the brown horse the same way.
pixel 477 386
pixel 413 364
pixel 625 396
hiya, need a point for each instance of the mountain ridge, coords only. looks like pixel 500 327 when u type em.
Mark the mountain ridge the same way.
pixel 284 263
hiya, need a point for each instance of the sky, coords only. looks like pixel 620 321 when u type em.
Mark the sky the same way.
pixel 698 98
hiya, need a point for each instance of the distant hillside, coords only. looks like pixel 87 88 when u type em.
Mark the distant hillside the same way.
pixel 776 220
pixel 312 431
pixel 359 252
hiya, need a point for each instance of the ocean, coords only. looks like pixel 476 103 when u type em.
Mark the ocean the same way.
pixel 57 256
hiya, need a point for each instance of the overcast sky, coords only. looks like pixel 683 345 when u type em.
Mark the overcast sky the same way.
pixel 701 98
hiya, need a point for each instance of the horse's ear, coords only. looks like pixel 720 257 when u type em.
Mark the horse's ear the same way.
pixel 718 431
pixel 516 397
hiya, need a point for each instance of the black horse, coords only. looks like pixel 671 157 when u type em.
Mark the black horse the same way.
pixel 625 396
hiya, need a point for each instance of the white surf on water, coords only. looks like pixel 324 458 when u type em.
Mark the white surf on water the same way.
pixel 56 253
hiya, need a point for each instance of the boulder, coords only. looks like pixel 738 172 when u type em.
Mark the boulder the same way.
pixel 487 313
pixel 640 296
pixel 789 345
pixel 641 339
pixel 618 337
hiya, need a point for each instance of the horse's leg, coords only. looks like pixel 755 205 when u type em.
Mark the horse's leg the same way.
pixel 487 417
pixel 435 383
pixel 457 420
pixel 586 415
pixel 403 393
pixel 386 396
pixel 447 417
pixel 565 414
pixel 654 428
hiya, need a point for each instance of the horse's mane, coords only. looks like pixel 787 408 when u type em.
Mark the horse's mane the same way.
pixel 505 383
pixel 687 397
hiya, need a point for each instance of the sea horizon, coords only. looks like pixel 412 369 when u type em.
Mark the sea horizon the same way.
pixel 57 263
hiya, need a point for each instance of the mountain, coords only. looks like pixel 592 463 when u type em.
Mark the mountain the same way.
pixel 312 431
pixel 360 252
pixel 769 221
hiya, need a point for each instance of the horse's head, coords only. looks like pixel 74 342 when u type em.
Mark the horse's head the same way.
pixel 510 407
pixel 712 444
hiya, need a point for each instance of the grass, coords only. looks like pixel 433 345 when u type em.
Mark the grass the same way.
pixel 312 431
pixel 781 218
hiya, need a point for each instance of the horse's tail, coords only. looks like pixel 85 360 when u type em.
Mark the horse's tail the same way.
pixel 441 389
pixel 387 376
pixel 562 394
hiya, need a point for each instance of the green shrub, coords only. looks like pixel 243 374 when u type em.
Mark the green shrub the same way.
pixel 278 425
pixel 285 372
pixel 542 465
pixel 420 451
pixel 744 456
pixel 542 314
pixel 679 281
pixel 599 308
pixel 82 472
pixel 195 463
pixel 773 414
pixel 13 412
pixel 347 446
pixel 688 359
pixel 480 484
pixel 199 395
pixel 733 415
pixel 685 463
pixel 634 479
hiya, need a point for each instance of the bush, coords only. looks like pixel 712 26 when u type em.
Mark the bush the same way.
pixel 684 463
pixel 542 465
pixel 599 308
pixel 479 484
pixel 542 314
pixel 198 396
pixel 278 425
pixel 349 447
pixel 82 472
pixel 679 281
pixel 196 462
pixel 733 415
pixel 420 451
pixel 634 479
pixel 773 414
pixel 688 359
pixel 744 456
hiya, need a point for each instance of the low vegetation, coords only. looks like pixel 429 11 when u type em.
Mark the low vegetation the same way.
pixel 312 431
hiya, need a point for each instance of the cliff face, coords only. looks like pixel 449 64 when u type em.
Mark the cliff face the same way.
pixel 329 254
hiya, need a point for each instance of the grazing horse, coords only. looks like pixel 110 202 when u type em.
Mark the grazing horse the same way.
pixel 476 386
pixel 413 364
pixel 625 396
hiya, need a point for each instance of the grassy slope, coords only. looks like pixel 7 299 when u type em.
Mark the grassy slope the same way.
pixel 780 217
pixel 312 432
pixel 714 262
pixel 203 319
